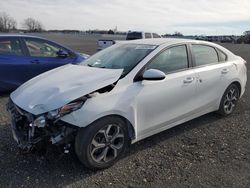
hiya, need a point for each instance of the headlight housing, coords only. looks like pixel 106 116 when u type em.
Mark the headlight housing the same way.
pixel 68 108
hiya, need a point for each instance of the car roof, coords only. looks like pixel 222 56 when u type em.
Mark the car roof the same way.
pixel 173 41
pixel 19 35
pixel 162 41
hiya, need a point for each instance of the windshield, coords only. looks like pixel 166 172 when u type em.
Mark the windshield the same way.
pixel 120 56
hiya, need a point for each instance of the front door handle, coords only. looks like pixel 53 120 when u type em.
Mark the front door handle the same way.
pixel 224 71
pixel 188 80
pixel 35 61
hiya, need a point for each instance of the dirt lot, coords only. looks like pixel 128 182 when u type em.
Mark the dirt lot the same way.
pixel 206 152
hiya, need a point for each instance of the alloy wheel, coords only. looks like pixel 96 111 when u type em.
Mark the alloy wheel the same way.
pixel 230 100
pixel 107 143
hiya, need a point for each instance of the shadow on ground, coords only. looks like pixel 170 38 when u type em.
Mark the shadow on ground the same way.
pixel 54 168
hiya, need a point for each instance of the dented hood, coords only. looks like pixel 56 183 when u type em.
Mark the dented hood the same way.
pixel 55 88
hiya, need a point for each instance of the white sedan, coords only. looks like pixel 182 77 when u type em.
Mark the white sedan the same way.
pixel 123 94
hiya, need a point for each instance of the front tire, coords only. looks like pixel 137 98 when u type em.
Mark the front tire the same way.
pixel 229 100
pixel 102 143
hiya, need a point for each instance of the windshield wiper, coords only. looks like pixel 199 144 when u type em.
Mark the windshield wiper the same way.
pixel 96 67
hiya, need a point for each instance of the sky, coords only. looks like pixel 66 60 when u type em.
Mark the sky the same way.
pixel 190 17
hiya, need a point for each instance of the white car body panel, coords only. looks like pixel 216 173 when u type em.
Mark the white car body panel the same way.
pixel 210 77
pixel 150 106
pixel 163 100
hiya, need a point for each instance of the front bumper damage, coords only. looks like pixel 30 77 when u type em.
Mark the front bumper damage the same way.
pixel 35 132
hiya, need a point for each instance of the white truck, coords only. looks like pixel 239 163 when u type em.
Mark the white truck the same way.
pixel 131 35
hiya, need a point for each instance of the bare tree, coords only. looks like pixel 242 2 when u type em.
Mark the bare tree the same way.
pixel 7 23
pixel 32 25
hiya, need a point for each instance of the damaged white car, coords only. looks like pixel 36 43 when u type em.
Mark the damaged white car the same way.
pixel 123 94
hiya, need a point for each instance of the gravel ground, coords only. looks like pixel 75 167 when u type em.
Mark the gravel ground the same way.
pixel 209 151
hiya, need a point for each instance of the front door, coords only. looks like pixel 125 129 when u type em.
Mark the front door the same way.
pixel 43 56
pixel 160 103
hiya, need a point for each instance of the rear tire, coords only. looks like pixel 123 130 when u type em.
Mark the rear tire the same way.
pixel 102 143
pixel 229 100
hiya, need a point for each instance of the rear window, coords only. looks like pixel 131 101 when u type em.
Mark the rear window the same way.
pixel 10 47
pixel 134 35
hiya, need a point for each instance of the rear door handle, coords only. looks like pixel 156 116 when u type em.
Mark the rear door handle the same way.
pixel 188 80
pixel 35 61
pixel 224 71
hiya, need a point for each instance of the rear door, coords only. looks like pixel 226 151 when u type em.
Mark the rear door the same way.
pixel 211 75
pixel 42 56
pixel 13 64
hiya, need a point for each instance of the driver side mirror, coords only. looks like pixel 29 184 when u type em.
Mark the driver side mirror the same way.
pixel 153 74
pixel 62 54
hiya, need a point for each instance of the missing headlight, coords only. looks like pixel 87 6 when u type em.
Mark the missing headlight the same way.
pixel 40 122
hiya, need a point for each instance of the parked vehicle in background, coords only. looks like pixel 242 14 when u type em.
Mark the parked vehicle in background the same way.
pixel 244 39
pixel 23 57
pixel 102 44
pixel 222 39
pixel 131 35
pixel 227 39
pixel 134 35
pixel 124 94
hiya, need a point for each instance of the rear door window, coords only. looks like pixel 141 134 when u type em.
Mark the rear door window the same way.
pixel 10 47
pixel 204 55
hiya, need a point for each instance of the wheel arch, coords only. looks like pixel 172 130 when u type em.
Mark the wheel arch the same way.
pixel 237 83
pixel 221 110
pixel 131 129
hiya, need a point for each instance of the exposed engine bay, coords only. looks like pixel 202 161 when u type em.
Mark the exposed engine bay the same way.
pixel 34 132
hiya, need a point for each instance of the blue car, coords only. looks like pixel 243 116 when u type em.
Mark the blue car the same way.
pixel 24 57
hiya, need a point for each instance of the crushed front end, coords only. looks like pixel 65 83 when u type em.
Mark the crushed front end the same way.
pixel 31 131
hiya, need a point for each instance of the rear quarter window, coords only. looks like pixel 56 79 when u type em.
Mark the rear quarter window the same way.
pixel 222 56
